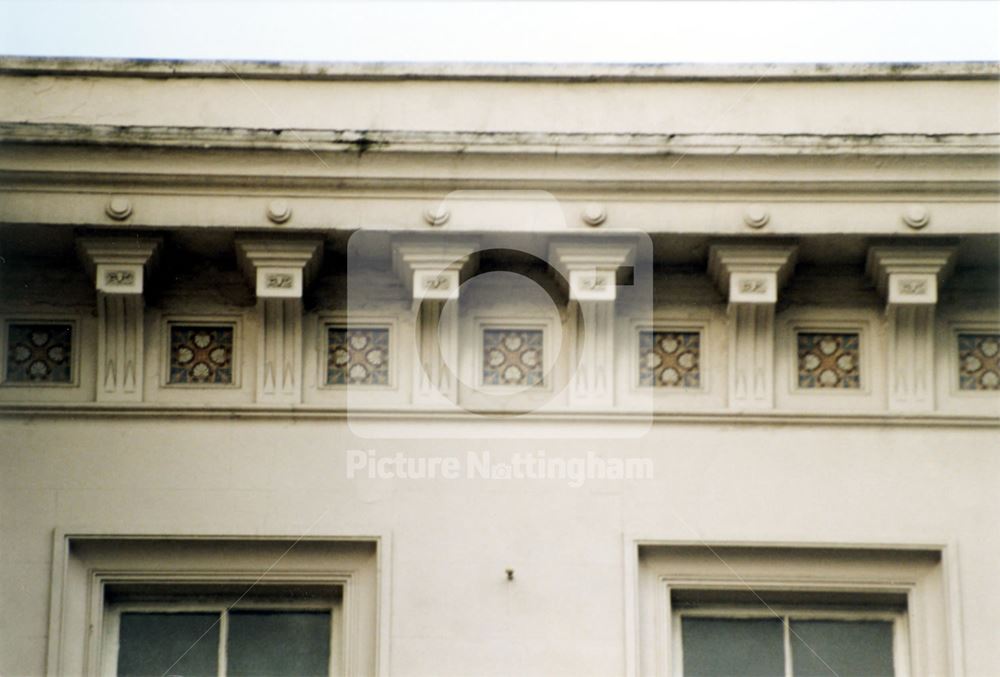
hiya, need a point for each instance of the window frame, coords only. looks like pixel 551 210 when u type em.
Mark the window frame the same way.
pixel 794 612
pixel 114 610
pixel 86 562
pixel 924 575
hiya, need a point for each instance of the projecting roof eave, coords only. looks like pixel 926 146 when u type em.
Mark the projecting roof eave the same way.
pixel 553 72
pixel 530 143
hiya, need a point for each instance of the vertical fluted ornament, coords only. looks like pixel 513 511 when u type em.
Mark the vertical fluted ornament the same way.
pixel 119 347
pixel 280 345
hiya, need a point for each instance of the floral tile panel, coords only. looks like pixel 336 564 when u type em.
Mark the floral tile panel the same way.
pixel 357 356
pixel 39 352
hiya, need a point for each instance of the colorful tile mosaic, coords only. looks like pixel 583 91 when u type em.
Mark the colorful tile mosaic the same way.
pixel 201 354
pixel 513 357
pixel 979 361
pixel 39 352
pixel 357 356
pixel 670 359
pixel 829 360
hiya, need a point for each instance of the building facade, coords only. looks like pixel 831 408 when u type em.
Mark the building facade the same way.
pixel 474 370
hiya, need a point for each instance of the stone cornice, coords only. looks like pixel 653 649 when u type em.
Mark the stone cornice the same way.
pixel 431 415
pixel 504 72
pixel 529 143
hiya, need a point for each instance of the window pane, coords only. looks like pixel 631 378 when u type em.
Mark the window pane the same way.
pixel 157 643
pixel 278 643
pixel 844 648
pixel 722 647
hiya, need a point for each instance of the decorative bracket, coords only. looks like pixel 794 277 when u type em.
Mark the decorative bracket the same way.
pixel 590 267
pixel 120 267
pixel 750 277
pixel 908 278
pixel 431 270
pixel 280 271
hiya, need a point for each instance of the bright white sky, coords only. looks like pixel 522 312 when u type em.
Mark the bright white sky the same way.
pixel 296 30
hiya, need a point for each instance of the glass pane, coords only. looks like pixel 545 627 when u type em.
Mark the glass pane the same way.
pixel 844 648
pixel 722 647
pixel 165 643
pixel 277 643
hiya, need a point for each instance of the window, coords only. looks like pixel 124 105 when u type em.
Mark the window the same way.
pixel 783 611
pixel 858 635
pixel 258 630
pixel 135 605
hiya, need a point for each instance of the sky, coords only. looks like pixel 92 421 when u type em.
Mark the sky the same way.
pixel 566 31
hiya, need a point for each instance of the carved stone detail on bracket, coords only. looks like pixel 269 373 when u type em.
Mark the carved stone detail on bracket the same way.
pixel 750 277
pixel 592 285
pixel 439 286
pixel 119 267
pixel 275 282
pixel 119 278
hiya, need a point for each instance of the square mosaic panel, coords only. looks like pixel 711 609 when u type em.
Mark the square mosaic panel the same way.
pixel 39 352
pixel 357 356
pixel 829 360
pixel 513 357
pixel 979 361
pixel 201 354
pixel 670 359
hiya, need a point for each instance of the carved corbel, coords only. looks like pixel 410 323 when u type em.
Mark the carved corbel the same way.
pixel 280 270
pixel 120 268
pixel 908 278
pixel 431 271
pixel 750 277
pixel 591 268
